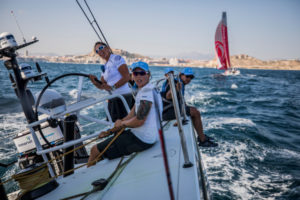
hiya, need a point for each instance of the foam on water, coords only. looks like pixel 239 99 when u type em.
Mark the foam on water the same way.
pixel 10 125
pixel 205 98
pixel 234 86
pixel 12 121
pixel 214 123
pixel 73 93
pixel 231 162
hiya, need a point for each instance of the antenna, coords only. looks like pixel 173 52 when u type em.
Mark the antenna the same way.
pixel 12 13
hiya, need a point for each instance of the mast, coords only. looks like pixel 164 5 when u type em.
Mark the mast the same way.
pixel 19 84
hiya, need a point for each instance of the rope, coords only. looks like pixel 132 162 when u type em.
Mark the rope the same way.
pixel 111 179
pixel 33 180
pixel 115 176
pixel 108 179
pixel 104 150
pixel 98 157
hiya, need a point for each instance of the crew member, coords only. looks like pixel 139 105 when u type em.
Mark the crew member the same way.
pixel 114 79
pixel 142 120
pixel 185 78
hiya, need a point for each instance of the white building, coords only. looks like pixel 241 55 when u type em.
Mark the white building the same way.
pixel 173 61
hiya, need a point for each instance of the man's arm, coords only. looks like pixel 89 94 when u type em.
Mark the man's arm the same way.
pixel 125 77
pixel 169 94
pixel 130 115
pixel 140 117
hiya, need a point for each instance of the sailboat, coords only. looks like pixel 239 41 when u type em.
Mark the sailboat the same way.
pixel 43 174
pixel 222 48
pixel 52 167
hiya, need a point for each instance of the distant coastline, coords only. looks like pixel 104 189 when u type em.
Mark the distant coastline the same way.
pixel 237 61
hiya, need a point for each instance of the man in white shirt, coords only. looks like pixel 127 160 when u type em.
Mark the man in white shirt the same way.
pixel 114 79
pixel 142 119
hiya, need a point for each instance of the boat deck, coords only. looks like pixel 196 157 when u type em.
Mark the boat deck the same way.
pixel 144 177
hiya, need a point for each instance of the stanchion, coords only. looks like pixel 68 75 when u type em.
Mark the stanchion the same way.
pixel 69 128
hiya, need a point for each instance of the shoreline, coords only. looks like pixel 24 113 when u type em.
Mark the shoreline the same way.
pixel 273 65
pixel 289 68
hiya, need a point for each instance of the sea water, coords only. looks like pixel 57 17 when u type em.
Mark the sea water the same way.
pixel 254 117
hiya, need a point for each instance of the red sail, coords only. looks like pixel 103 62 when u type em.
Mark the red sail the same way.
pixel 221 44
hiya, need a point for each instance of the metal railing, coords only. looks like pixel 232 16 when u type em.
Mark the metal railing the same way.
pixel 182 102
pixel 73 108
pixel 187 162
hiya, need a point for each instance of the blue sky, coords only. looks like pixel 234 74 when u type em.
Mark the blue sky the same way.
pixel 265 29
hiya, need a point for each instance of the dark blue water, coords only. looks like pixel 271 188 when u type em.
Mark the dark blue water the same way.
pixel 255 118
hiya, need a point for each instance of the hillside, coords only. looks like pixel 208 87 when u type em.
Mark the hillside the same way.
pixel 245 61
pixel 238 61
pixel 122 53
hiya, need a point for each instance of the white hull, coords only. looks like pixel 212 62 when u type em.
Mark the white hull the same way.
pixel 232 72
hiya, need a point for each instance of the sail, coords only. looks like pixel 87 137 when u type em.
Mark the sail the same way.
pixel 221 44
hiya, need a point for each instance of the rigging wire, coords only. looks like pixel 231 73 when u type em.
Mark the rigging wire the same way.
pixel 93 20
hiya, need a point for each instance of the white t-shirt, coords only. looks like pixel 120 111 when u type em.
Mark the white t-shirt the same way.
pixel 148 132
pixel 112 75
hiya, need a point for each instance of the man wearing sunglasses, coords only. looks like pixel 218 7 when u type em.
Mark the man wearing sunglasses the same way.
pixel 185 78
pixel 114 79
pixel 142 119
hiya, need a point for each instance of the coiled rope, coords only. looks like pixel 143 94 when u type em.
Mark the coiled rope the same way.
pixel 28 182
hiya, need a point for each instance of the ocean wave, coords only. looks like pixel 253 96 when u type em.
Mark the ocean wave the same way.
pixel 12 122
pixel 234 86
pixel 236 168
pixel 218 122
pixel 73 93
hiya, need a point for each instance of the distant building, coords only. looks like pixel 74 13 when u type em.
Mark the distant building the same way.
pixel 158 62
pixel 173 61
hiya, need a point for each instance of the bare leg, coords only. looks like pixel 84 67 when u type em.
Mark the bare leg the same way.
pixel 93 155
pixel 197 123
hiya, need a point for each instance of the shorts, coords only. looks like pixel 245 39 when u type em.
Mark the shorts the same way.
pixel 116 107
pixel 125 144
pixel 169 114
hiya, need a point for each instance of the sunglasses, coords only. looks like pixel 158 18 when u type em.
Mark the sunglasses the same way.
pixel 100 48
pixel 189 76
pixel 141 73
